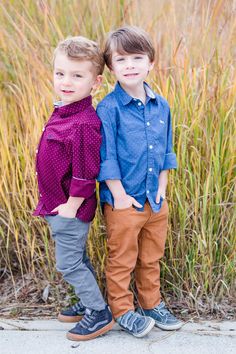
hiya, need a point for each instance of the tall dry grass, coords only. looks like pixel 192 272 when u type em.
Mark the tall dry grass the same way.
pixel 195 71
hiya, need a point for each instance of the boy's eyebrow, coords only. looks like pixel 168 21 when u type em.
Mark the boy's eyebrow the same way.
pixel 77 71
pixel 74 71
pixel 124 54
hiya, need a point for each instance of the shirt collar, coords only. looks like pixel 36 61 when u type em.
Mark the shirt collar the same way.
pixel 72 108
pixel 125 98
pixel 149 91
pixel 122 95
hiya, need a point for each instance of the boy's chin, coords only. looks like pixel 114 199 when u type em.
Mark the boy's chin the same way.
pixel 132 83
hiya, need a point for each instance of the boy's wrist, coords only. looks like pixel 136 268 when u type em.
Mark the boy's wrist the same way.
pixel 163 187
pixel 162 191
pixel 120 196
pixel 74 202
pixel 117 190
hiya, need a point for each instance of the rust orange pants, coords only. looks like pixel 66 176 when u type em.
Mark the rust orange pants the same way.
pixel 136 242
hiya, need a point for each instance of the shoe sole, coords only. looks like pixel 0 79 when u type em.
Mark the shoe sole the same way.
pixel 147 330
pixel 78 337
pixel 169 328
pixel 69 319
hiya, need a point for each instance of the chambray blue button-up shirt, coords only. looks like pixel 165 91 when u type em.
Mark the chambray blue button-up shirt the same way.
pixel 136 144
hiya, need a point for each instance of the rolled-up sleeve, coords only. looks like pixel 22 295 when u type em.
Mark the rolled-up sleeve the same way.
pixel 86 160
pixel 170 161
pixel 109 168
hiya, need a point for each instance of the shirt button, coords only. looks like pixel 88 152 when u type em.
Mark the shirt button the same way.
pixel 139 104
pixel 36 151
pixel 148 123
pixel 40 195
pixel 150 169
pixel 43 129
pixel 150 146
pixel 148 192
pixel 36 173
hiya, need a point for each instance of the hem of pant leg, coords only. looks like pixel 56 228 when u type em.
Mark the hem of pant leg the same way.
pixel 116 315
pixel 96 308
pixel 149 306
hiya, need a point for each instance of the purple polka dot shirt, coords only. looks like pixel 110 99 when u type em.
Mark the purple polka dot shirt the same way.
pixel 68 159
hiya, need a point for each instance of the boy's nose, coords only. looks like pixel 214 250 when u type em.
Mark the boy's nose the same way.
pixel 66 81
pixel 129 63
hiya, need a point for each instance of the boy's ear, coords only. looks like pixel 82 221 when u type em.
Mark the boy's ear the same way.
pixel 151 66
pixel 97 82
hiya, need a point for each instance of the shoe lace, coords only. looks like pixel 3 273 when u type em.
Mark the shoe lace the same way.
pixel 163 310
pixel 88 318
pixel 78 307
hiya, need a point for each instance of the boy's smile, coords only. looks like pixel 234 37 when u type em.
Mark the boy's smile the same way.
pixel 73 79
pixel 67 91
pixel 131 75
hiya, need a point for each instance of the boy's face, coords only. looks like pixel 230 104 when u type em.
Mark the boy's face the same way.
pixel 73 79
pixel 130 69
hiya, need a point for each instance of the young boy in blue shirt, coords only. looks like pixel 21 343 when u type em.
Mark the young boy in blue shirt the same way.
pixel 136 155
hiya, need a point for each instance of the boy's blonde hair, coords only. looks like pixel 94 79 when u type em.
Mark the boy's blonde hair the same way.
pixel 81 48
pixel 128 40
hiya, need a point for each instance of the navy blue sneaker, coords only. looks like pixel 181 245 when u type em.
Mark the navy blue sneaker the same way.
pixel 93 324
pixel 135 324
pixel 72 314
pixel 162 316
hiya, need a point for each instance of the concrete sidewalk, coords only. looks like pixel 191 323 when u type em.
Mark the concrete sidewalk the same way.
pixel 48 337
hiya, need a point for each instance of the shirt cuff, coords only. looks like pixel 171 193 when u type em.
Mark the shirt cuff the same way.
pixel 170 161
pixel 83 188
pixel 109 170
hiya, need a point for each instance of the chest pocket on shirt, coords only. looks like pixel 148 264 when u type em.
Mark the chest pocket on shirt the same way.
pixel 58 142
pixel 161 130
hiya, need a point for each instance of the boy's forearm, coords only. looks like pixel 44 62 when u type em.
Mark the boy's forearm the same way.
pixel 163 179
pixel 116 188
pixel 75 202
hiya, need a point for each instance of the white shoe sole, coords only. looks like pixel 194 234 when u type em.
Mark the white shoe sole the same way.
pixel 169 328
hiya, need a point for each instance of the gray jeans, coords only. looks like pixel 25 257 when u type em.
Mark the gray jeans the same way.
pixel 70 236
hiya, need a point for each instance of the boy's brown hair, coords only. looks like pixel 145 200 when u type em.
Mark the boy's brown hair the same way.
pixel 81 48
pixel 128 40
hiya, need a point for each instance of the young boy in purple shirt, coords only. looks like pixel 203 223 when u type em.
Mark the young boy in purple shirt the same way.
pixel 68 162
pixel 136 155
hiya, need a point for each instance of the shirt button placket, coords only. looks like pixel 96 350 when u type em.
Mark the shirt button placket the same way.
pixel 150 157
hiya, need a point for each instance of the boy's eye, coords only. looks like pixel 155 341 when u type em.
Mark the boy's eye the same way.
pixel 78 75
pixel 138 57
pixel 58 73
pixel 119 59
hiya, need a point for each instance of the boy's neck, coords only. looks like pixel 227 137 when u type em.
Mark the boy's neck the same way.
pixel 60 103
pixel 136 92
